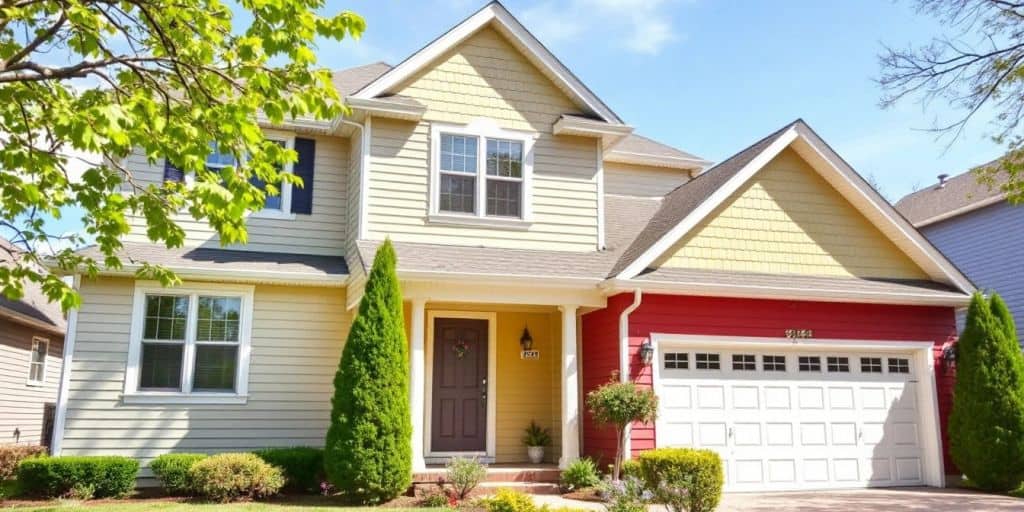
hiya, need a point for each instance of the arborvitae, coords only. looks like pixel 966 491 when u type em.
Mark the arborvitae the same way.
pixel 986 427
pixel 368 457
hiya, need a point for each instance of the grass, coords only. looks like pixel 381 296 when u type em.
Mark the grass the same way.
pixel 281 504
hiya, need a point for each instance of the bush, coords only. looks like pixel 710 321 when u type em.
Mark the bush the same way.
pixel 172 469
pixel 507 500
pixel 625 495
pixel 580 474
pixel 235 476
pixel 630 468
pixel 671 471
pixel 619 404
pixel 464 475
pixel 986 425
pixel 437 499
pixel 303 466
pixel 12 454
pixel 54 477
pixel 368 454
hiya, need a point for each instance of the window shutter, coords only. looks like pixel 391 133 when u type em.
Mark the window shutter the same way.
pixel 302 198
pixel 172 173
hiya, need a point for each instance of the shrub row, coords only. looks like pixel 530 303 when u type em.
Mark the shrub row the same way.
pixel 81 477
pixel 301 469
pixel 12 454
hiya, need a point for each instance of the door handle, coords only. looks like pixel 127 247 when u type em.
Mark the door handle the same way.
pixel 730 432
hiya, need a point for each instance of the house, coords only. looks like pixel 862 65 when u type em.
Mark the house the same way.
pixel 31 344
pixel 794 321
pixel 974 226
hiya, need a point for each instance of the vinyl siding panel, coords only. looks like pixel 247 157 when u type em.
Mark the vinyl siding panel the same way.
pixel 641 180
pixel 297 337
pixel 323 232
pixel 21 404
pixel 788 220
pixel 485 77
pixel 986 245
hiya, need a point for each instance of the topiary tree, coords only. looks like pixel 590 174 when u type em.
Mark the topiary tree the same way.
pixel 368 456
pixel 986 426
pixel 619 404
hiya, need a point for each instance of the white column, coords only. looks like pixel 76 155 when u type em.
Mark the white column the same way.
pixel 417 382
pixel 570 388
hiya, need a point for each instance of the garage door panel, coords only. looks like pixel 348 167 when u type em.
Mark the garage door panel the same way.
pixel 846 470
pixel 811 397
pixel 844 434
pixel 711 435
pixel 812 434
pixel 782 471
pixel 815 470
pixel 879 470
pixel 779 434
pixel 840 398
pixel 777 397
pixel 747 434
pixel 908 469
pixel 711 397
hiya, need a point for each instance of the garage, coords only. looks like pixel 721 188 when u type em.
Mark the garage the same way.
pixel 790 414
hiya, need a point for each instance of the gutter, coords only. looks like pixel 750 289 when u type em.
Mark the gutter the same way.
pixel 624 358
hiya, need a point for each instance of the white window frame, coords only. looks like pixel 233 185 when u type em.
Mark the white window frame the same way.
pixel 285 212
pixel 481 129
pixel 133 395
pixel 37 340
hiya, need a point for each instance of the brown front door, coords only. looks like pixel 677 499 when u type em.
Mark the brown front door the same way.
pixel 459 395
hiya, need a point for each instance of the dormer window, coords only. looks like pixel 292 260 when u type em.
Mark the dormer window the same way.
pixel 481 175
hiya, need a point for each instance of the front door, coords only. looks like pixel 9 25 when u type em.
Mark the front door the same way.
pixel 459 395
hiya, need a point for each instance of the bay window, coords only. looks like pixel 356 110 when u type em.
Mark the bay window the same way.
pixel 189 344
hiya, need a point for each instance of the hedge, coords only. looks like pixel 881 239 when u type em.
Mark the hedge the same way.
pixel 172 469
pixel 699 471
pixel 53 477
pixel 235 476
pixel 303 466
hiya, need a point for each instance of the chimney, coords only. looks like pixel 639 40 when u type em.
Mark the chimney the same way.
pixel 942 180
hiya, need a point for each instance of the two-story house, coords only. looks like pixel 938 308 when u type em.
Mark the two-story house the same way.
pixel 787 316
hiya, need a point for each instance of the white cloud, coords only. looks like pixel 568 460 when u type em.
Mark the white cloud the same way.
pixel 639 26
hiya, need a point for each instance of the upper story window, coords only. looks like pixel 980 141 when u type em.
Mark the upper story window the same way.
pixel 481 174
pixel 189 344
pixel 37 361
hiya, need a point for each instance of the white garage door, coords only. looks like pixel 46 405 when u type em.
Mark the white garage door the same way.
pixel 795 419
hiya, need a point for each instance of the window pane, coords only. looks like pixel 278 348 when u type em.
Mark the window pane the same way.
pixel 215 368
pixel 677 360
pixel 35 372
pixel 218 318
pixel 166 317
pixel 458 194
pixel 271 202
pixel 458 153
pixel 218 159
pixel 504 158
pixel 39 352
pixel 503 198
pixel 161 366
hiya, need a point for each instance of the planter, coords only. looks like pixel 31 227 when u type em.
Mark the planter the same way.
pixel 535 453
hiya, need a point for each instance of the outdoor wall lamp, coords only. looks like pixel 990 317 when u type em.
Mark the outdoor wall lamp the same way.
pixel 526 341
pixel 949 355
pixel 646 353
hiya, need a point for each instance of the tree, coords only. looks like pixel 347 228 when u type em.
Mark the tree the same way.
pixel 369 443
pixel 986 426
pixel 978 66
pixel 101 78
pixel 620 404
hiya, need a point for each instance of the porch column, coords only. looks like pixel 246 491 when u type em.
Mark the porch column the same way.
pixel 570 388
pixel 417 381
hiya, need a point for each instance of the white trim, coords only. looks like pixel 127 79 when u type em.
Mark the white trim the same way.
pixel 418 381
pixel 934 474
pixel 582 127
pixel 600 198
pixel 570 386
pixel 962 210
pixel 284 188
pixel 671 162
pixel 241 275
pixel 535 51
pixel 131 391
pixel 381 107
pixel 36 340
pixel 482 129
pixel 364 178
pixel 60 416
pixel 453 219
pixel 492 388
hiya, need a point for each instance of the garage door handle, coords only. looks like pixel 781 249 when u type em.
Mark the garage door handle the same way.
pixel 730 431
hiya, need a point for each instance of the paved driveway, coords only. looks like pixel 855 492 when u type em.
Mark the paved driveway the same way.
pixel 871 500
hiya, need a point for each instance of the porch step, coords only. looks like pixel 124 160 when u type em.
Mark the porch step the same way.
pixel 543 474
pixel 488 488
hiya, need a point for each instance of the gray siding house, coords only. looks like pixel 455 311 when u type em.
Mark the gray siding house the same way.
pixel 978 230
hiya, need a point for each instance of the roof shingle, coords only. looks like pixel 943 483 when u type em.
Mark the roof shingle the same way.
pixel 959 193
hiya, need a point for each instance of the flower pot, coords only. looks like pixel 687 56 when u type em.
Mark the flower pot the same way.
pixel 535 453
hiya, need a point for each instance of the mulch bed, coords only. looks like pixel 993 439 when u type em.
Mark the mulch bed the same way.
pixel 587 494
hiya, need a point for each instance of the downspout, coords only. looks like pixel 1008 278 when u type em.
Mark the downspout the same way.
pixel 624 358
pixel 362 172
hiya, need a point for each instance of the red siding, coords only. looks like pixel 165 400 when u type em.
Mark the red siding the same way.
pixel 749 317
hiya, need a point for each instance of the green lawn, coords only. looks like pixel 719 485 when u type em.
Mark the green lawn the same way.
pixel 129 506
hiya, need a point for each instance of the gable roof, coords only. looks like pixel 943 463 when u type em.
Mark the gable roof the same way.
pixel 496 15
pixel 350 80
pixel 637 149
pixel 690 203
pixel 34 308
pixel 958 195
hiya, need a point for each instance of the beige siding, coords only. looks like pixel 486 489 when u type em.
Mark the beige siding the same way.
pixel 789 220
pixel 297 336
pixel 641 180
pixel 21 404
pixel 323 232
pixel 485 77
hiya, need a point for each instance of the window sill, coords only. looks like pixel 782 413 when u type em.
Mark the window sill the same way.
pixel 35 383
pixel 143 398
pixel 474 221
pixel 272 214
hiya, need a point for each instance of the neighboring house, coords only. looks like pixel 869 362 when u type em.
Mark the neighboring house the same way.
pixel 977 229
pixel 796 320
pixel 31 344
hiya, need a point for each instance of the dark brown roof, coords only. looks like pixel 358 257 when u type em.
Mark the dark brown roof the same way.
pixel 959 193
pixel 33 304
pixel 688 196
pixel 350 80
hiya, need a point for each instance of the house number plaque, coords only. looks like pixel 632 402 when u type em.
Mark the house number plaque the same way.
pixel 799 333
pixel 529 354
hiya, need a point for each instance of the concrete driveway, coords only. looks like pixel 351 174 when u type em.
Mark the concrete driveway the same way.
pixel 871 500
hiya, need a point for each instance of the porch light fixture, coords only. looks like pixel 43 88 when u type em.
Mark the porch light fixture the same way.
pixel 646 353
pixel 526 341
pixel 949 355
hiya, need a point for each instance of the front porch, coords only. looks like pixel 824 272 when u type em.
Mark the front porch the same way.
pixel 474 390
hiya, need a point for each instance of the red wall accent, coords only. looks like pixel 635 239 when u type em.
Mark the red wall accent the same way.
pixel 748 317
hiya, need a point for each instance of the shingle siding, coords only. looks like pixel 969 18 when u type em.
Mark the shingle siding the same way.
pixel 987 246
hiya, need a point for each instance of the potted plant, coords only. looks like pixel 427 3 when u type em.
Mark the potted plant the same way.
pixel 536 439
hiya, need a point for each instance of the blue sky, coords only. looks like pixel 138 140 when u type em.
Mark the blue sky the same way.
pixel 711 77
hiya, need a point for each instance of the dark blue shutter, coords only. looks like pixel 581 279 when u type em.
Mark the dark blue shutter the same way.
pixel 172 173
pixel 302 198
